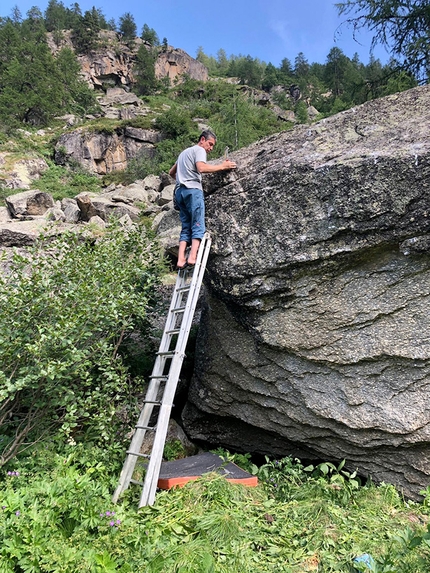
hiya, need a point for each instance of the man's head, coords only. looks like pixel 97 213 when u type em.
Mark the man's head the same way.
pixel 207 140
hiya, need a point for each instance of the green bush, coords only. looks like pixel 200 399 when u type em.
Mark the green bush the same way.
pixel 66 306
pixel 175 122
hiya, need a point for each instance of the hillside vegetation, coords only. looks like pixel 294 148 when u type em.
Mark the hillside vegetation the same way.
pixel 244 100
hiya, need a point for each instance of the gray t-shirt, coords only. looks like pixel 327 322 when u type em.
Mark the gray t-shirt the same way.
pixel 186 170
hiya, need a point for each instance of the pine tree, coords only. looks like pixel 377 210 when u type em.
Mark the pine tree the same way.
pixel 127 27
pixel 86 33
pixel 146 82
pixel 402 27
pixel 55 16
pixel 270 77
pixel 150 35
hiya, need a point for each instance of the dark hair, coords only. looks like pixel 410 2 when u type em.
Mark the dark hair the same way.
pixel 207 134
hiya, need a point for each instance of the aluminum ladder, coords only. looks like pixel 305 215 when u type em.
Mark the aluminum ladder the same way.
pixel 164 378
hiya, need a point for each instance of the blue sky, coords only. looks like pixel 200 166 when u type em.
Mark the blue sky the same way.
pixel 266 29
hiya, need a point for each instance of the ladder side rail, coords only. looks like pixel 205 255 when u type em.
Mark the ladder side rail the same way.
pixel 151 394
pixel 192 300
pixel 171 316
pixel 153 470
pixel 139 434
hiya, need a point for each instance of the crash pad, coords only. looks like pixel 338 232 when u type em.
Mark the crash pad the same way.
pixel 179 472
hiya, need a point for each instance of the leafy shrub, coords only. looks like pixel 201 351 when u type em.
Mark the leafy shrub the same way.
pixel 174 123
pixel 66 305
pixel 138 168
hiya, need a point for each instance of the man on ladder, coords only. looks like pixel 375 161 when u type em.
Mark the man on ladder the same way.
pixel 163 381
pixel 188 171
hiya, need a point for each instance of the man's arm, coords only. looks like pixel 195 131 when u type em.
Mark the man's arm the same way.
pixel 173 170
pixel 203 167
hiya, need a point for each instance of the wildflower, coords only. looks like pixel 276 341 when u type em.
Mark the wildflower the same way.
pixel 111 523
pixel 118 522
pixel 18 513
pixel 107 513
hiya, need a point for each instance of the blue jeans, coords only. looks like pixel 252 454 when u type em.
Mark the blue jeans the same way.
pixel 191 212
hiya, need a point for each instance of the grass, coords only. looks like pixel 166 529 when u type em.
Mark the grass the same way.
pixel 57 516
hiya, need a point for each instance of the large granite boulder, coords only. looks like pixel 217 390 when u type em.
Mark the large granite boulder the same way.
pixel 32 202
pixel 315 338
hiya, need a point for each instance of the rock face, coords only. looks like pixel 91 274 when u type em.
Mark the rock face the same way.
pixel 315 339
pixel 102 152
pixel 175 64
pixel 112 64
pixel 19 173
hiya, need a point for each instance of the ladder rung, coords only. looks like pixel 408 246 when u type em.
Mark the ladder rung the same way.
pixel 150 428
pixel 136 482
pixel 158 377
pixel 156 402
pixel 183 289
pixel 175 331
pixel 178 309
pixel 138 455
pixel 167 353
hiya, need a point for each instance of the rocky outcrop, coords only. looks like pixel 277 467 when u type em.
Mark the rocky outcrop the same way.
pixel 117 103
pixel 18 173
pixel 112 63
pixel 32 212
pixel 176 64
pixel 315 337
pixel 102 152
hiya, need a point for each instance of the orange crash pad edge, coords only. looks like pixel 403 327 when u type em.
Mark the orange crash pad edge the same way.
pixel 169 483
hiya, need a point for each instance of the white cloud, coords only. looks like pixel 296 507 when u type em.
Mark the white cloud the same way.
pixel 282 28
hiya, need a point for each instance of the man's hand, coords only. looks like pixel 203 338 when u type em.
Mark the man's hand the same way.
pixel 226 165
